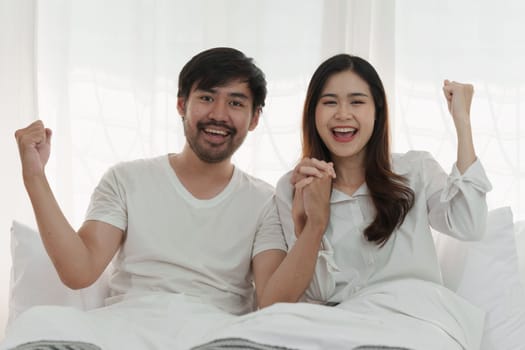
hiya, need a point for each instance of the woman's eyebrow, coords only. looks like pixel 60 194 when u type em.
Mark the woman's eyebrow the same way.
pixel 352 94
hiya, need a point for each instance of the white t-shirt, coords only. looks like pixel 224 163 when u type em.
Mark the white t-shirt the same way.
pixel 179 244
pixel 454 205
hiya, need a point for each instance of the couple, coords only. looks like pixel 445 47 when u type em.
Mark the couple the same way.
pixel 198 241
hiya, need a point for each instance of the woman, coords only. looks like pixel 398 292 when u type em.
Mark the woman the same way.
pixel 357 218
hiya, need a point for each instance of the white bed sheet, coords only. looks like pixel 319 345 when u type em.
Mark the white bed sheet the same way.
pixel 385 315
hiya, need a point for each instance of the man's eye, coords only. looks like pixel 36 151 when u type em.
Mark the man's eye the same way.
pixel 206 98
pixel 237 104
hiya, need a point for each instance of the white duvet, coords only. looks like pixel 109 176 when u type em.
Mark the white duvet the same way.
pixel 388 314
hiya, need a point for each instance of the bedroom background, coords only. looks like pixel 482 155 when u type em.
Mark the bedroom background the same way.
pixel 103 75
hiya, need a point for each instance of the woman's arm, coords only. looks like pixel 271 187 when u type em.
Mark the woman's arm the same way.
pixel 291 278
pixel 459 100
pixel 459 207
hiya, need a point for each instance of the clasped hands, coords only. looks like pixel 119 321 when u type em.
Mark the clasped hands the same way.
pixel 312 181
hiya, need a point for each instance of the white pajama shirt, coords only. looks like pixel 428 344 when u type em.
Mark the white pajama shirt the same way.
pixel 349 267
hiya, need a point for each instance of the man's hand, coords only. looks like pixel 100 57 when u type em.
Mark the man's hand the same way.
pixel 34 145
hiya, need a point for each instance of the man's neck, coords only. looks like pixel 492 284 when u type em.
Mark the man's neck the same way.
pixel 203 180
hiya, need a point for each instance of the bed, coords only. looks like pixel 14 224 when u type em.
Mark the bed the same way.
pixel 485 273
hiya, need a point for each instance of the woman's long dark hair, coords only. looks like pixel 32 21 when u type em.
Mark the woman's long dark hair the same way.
pixel 390 194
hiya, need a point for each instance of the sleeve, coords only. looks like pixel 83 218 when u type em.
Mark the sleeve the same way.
pixel 269 233
pixel 322 284
pixel 457 203
pixel 108 201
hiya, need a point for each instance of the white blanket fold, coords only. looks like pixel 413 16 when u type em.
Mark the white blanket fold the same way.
pixel 404 314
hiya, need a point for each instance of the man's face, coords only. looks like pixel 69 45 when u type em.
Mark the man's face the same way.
pixel 217 120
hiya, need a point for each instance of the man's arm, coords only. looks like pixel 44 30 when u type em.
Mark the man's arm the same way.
pixel 78 258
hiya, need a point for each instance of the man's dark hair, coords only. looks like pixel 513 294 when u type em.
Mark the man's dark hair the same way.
pixel 219 66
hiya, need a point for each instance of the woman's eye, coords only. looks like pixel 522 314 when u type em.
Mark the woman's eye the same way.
pixel 357 102
pixel 329 103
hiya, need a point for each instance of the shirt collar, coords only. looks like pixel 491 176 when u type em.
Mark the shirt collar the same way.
pixel 339 196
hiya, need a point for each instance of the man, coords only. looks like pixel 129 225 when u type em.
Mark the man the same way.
pixel 190 229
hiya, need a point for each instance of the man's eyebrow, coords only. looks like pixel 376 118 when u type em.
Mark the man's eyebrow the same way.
pixel 210 90
pixel 231 94
pixel 238 95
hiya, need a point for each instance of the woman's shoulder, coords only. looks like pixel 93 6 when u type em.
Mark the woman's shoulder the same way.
pixel 284 188
pixel 411 156
pixel 409 162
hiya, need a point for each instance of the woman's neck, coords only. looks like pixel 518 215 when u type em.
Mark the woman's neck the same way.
pixel 350 175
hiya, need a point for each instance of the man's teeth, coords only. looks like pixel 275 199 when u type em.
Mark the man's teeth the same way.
pixel 215 131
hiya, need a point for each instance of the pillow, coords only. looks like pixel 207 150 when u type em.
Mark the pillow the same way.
pixel 486 273
pixel 519 230
pixel 34 280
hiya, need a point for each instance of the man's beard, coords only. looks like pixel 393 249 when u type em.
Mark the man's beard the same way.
pixel 208 152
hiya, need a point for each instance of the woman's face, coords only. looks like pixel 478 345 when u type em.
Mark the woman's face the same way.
pixel 345 116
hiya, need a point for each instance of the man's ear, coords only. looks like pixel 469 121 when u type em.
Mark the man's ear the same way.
pixel 181 106
pixel 255 119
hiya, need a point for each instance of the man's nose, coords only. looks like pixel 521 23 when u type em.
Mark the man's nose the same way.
pixel 219 110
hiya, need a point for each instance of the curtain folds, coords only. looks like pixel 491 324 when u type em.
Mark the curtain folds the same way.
pixel 17 107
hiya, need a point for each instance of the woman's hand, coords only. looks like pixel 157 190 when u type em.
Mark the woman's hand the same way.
pixel 316 200
pixel 311 167
pixel 303 175
pixel 459 100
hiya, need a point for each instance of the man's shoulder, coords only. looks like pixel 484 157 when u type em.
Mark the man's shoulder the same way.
pixel 254 183
pixel 139 164
pixel 135 170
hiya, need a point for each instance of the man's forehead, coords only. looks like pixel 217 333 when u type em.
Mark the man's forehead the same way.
pixel 236 86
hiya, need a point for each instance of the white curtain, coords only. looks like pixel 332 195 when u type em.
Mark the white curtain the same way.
pixel 17 107
pixel 105 75
pixel 475 41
